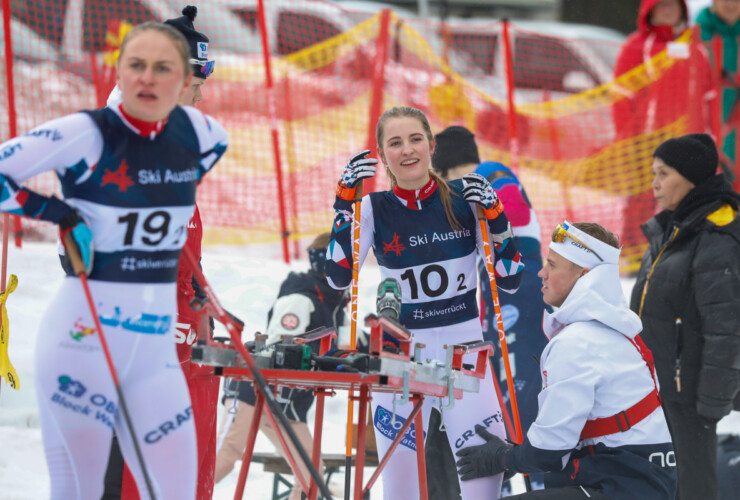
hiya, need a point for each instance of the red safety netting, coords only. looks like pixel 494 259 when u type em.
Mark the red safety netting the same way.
pixel 580 141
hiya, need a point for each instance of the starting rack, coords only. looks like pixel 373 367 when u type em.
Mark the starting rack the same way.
pixel 291 364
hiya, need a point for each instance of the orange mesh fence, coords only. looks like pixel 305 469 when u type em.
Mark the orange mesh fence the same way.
pixel 585 140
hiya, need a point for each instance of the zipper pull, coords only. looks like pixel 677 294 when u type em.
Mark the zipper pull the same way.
pixel 677 366
pixel 677 375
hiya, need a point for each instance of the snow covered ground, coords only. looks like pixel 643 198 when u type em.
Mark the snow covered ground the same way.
pixel 246 280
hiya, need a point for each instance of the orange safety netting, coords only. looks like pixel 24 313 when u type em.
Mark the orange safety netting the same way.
pixel 584 140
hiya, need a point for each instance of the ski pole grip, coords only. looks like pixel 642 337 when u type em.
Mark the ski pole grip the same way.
pixel 481 213
pixel 73 254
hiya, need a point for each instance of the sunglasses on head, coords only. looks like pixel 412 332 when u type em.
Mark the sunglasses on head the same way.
pixel 206 67
pixel 561 233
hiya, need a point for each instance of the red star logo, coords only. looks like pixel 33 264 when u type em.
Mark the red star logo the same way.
pixel 120 178
pixel 393 246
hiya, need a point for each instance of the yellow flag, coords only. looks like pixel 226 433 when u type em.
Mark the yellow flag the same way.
pixel 6 367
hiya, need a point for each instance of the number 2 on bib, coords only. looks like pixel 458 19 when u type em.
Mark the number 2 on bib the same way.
pixel 426 283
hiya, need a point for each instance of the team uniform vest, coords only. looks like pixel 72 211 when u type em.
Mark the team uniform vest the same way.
pixel 436 265
pixel 149 185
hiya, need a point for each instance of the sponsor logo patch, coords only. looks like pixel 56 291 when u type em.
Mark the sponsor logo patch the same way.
pixel 168 426
pixel 290 321
pixel 389 427
pixel 96 406
pixel 81 331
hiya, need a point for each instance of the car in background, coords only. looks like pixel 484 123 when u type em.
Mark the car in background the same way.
pixel 572 57
pixel 551 61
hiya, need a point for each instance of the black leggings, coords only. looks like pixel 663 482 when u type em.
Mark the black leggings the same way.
pixel 567 493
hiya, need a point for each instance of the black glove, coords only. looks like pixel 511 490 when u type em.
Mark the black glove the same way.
pixel 483 460
pixel 359 167
pixel 477 189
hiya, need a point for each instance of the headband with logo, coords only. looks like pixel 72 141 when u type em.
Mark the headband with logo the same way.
pixel 582 249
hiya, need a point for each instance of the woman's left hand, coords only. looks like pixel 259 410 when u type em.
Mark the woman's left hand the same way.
pixel 477 189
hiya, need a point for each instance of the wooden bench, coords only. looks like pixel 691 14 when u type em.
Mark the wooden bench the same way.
pixel 333 462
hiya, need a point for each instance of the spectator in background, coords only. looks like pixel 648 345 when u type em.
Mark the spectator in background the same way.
pixel 657 104
pixel 659 22
pixel 305 302
pixel 691 309
pixel 722 19
pixel 456 155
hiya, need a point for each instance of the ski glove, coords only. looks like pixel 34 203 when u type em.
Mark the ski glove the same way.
pixel 483 460
pixel 73 231
pixel 358 167
pixel 477 189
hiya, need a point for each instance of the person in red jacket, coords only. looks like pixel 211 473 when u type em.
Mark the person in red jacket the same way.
pixel 659 24
pixel 665 99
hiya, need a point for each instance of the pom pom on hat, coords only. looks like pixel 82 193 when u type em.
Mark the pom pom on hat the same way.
pixel 197 41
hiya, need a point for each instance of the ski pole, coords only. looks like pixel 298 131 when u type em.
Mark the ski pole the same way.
pixel 235 333
pixel 353 334
pixel 483 222
pixel 79 269
pixel 507 420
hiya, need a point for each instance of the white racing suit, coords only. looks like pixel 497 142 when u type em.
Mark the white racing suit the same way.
pixel 134 185
pixel 436 268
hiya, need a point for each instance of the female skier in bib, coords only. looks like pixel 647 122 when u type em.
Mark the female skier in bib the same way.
pixel 424 234
pixel 128 176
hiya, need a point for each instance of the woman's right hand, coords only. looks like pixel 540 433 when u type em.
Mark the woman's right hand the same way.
pixel 358 167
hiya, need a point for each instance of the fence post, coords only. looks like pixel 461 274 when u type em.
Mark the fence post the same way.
pixel 292 168
pixel 12 129
pixel 272 111
pixel 513 139
pixel 376 100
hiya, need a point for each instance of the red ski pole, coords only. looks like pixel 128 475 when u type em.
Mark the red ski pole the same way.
pixel 79 269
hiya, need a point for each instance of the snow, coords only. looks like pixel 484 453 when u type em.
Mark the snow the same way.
pixel 246 280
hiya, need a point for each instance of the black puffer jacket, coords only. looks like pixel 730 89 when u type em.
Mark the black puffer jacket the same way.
pixel 691 272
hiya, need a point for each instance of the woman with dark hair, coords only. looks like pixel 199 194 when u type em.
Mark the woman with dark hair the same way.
pixel 688 297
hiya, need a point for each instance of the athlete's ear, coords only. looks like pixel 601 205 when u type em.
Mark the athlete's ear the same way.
pixel 584 271
pixel 186 86
pixel 382 157
pixel 432 146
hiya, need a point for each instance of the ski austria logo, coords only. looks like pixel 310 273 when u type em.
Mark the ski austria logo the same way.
pixel 389 427
pixel 393 246
pixel 202 50
pixel 118 178
pixel 290 321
